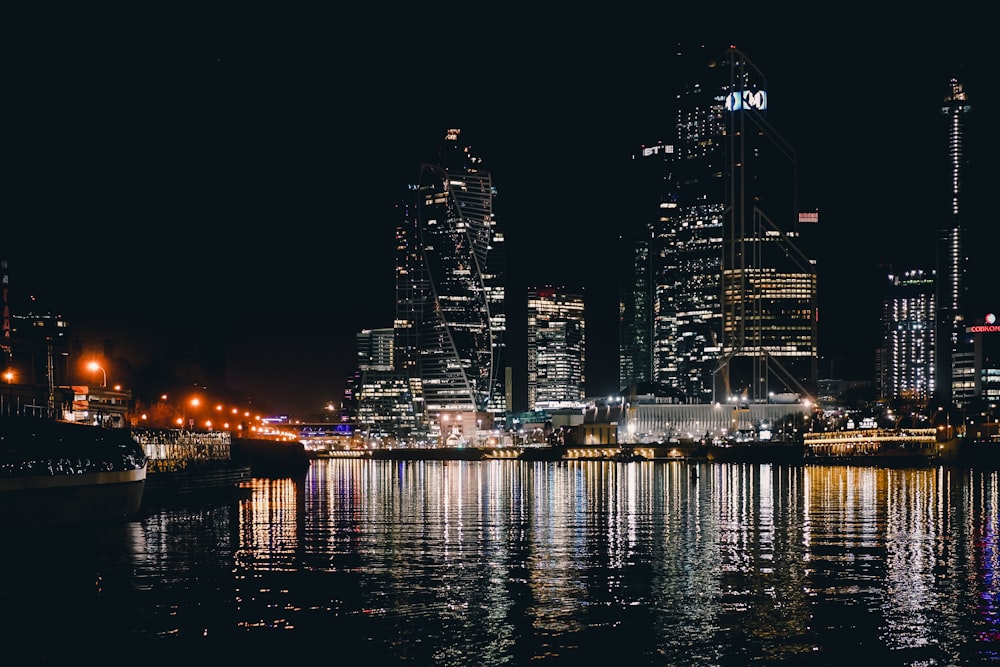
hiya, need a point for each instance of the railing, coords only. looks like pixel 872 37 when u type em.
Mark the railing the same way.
pixel 173 450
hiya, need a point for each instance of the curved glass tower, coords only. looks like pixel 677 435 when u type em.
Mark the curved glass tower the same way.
pixel 461 321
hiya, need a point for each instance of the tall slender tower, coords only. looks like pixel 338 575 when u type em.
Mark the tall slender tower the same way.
pixel 951 258
pixel 641 357
pixel 460 317
pixel 411 294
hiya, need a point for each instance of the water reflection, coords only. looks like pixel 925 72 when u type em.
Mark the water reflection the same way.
pixel 506 563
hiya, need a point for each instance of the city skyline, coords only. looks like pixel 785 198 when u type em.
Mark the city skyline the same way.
pixel 244 188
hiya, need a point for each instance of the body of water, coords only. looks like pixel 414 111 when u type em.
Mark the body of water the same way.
pixel 516 563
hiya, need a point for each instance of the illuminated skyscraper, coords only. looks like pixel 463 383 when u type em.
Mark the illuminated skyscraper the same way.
pixel 385 408
pixel 651 180
pixel 908 317
pixel 411 291
pixel 732 296
pixel 456 299
pixel 556 349
pixel 952 262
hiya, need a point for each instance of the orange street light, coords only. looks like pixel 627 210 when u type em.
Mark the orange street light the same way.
pixel 94 366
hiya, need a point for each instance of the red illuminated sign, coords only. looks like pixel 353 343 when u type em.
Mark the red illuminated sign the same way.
pixel 985 328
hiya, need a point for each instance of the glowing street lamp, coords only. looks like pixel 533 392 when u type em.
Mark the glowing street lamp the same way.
pixel 94 366
pixel 8 375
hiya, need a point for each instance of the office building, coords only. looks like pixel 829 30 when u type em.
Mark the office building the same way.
pixel 650 174
pixel 450 289
pixel 556 349
pixel 384 408
pixel 908 318
pixel 731 294
pixel 985 334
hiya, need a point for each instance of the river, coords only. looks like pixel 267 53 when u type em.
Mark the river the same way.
pixel 516 563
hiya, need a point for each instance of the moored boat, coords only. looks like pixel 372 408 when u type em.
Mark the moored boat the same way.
pixel 271 458
pixel 55 472
pixel 874 446
pixel 183 462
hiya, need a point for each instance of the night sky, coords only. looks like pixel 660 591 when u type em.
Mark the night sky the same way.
pixel 239 173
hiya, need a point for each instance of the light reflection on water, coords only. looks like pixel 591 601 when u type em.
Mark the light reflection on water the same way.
pixel 506 563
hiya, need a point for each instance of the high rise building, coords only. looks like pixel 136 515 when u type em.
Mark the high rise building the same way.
pixel 732 297
pixel 411 291
pixel 556 349
pixel 652 183
pixel 984 333
pixel 384 407
pixel 450 287
pixel 909 313
pixel 953 348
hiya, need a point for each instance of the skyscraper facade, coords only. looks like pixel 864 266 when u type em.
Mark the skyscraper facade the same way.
pixel 411 291
pixel 556 349
pixel 384 407
pixel 769 285
pixel 454 311
pixel 953 348
pixel 651 179
pixel 733 297
pixel 909 312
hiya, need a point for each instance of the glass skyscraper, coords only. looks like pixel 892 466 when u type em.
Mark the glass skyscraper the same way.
pixel 450 295
pixel 556 349
pixel 733 297
pixel 385 410
pixel 651 179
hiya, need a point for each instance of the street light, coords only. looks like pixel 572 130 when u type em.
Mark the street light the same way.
pixel 94 366
pixel 8 375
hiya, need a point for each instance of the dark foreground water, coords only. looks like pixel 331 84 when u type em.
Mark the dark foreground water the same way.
pixel 508 563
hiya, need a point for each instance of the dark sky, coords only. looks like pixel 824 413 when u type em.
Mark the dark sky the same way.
pixel 239 173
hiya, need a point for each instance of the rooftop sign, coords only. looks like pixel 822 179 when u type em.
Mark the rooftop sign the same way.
pixel 747 99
